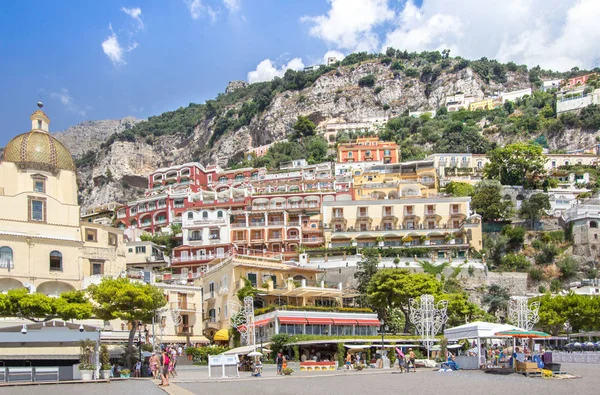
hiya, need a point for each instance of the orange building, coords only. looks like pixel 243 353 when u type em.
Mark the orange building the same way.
pixel 369 149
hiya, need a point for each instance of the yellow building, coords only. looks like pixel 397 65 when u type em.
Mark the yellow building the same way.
pixel 487 104
pixel 43 245
pixel 439 223
pixel 279 284
pixel 391 181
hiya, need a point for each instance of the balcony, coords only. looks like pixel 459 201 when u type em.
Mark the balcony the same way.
pixel 195 238
pixel 275 237
pixel 187 306
pixel 155 258
pixel 293 237
pixel 257 223
pixel 239 225
pixel 276 223
pixel 293 223
pixel 240 241
pixel 160 221
pixel 209 295
pixel 100 253
pixel 313 240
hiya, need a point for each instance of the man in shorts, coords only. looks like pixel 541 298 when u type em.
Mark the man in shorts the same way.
pixel 411 360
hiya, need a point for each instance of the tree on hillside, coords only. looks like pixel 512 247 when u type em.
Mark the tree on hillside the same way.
pixel 515 235
pixel 496 299
pixel 534 207
pixel 393 288
pixel 133 302
pixel 487 201
pixel 461 310
pixel 458 137
pixel 517 164
pixel 38 307
pixel 460 189
pixel 303 127
pixel 365 269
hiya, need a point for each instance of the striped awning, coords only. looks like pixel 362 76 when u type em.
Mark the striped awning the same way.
pixel 368 322
pixel 319 321
pixel 262 322
pixel 292 320
pixel 344 321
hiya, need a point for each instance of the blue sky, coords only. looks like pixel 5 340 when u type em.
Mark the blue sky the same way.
pixel 109 59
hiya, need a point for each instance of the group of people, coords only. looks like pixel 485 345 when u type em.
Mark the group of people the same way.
pixel 281 362
pixel 405 362
pixel 164 365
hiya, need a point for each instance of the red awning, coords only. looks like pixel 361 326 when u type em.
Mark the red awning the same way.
pixel 369 322
pixel 292 320
pixel 319 321
pixel 344 321
pixel 261 322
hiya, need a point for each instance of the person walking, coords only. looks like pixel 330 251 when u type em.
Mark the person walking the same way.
pixel 154 365
pixel 279 362
pixel 137 370
pixel 348 361
pixel 172 368
pixel 165 363
pixel 411 358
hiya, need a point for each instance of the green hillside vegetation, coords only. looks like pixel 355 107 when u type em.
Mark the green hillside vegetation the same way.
pixel 230 112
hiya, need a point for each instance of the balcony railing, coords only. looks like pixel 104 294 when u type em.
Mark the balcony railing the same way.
pixel 257 223
pixel 160 221
pixel 312 240
pixel 195 238
pixel 239 225
pixel 183 306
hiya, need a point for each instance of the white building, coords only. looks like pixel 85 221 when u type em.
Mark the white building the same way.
pixel 576 99
pixel 550 84
pixel 514 95
pixel 205 227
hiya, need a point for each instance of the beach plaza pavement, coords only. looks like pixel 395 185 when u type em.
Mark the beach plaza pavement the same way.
pixel 194 380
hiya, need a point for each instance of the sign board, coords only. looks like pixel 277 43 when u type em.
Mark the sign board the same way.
pixel 223 366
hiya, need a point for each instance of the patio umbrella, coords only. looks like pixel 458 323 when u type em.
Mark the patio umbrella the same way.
pixel 521 334
pixel 255 354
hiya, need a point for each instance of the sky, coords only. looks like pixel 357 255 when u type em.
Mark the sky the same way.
pixel 108 59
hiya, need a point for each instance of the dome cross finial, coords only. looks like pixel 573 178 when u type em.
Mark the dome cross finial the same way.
pixel 40 104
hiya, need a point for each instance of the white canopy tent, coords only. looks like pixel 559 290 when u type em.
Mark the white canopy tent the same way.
pixel 477 330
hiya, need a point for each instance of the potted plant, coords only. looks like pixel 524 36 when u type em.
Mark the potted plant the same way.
pixel 125 373
pixel 190 352
pixel 287 371
pixel 354 243
pixel 449 238
pixel 425 240
pixel 380 241
pixel 105 362
pixel 86 365
pixel 407 240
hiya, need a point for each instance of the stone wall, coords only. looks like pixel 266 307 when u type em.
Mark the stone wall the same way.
pixel 516 283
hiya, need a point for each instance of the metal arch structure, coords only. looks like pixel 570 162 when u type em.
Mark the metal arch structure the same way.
pixel 242 319
pixel 523 314
pixel 428 317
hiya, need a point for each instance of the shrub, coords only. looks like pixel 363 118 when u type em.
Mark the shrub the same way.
pixel 397 66
pixel 378 89
pixel 555 286
pixel 568 267
pixel 514 262
pixel 535 274
pixel 410 72
pixel 542 289
pixel 287 371
pixel 368 81
pixel 547 254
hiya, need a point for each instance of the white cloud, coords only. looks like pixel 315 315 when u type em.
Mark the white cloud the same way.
pixel 335 54
pixel 113 49
pixel 135 13
pixel 197 9
pixel 232 5
pixel 266 71
pixel 66 100
pixel 349 24
pixel 557 34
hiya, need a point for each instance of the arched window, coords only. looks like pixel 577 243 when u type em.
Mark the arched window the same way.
pixel 190 215
pixel 6 258
pixel 56 261
pixel 593 224
pixel 219 214
pixel 196 235
pixel 205 214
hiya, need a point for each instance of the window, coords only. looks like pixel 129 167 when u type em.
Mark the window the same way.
pixel 39 186
pixel 6 258
pixel 91 235
pixel 130 250
pixel 39 124
pixel 252 279
pixel 190 215
pixel 593 224
pixel 386 152
pixel 37 209
pixel 140 249
pixel 219 214
pixel 205 214
pixel 196 235
pixel 56 261
pixel 97 268
pixel 349 154
pixel 112 239
pixel 274 279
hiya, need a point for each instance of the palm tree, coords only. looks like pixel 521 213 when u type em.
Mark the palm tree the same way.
pixel 433 269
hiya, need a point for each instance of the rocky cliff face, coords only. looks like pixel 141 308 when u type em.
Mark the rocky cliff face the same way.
pixel 89 135
pixel 119 170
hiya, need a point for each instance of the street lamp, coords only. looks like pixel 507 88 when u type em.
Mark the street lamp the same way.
pixel 384 328
pixel 140 340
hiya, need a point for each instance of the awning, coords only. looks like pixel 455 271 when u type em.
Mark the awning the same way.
pixel 261 322
pixel 222 335
pixel 51 352
pixel 319 321
pixel 344 321
pixel 292 320
pixel 368 322
pixel 183 339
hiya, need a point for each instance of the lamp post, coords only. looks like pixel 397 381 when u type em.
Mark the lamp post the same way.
pixel 140 340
